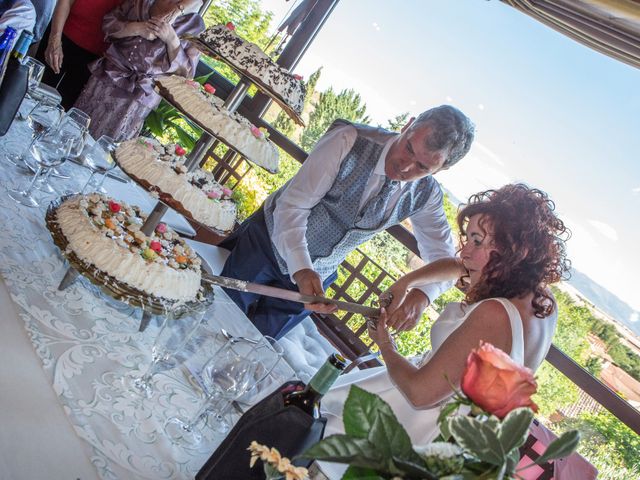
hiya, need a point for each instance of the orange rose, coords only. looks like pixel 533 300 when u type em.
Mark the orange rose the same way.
pixel 496 383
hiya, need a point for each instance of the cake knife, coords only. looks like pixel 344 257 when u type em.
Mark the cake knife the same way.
pixel 291 295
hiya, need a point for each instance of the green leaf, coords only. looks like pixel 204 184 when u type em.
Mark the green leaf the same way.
pixel 561 447
pixel 358 473
pixel 447 410
pixel 368 416
pixel 202 79
pixel 514 429
pixel 445 429
pixel 186 140
pixel 346 449
pixel 154 122
pixel 477 439
pixel 413 469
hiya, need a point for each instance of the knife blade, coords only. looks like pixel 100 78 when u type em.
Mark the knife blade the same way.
pixel 290 295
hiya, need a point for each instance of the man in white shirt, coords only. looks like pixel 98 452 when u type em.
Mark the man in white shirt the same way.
pixel 357 181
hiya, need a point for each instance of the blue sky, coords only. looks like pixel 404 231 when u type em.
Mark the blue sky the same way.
pixel 548 110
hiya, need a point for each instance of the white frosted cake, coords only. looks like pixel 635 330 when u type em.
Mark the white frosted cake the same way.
pixel 249 58
pixel 160 168
pixel 106 234
pixel 202 105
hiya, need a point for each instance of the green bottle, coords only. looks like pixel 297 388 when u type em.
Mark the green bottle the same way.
pixel 308 399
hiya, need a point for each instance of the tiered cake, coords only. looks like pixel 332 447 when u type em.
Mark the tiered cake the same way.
pixel 160 168
pixel 207 110
pixel 106 234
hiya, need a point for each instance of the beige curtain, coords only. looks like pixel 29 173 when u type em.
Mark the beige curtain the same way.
pixel 611 27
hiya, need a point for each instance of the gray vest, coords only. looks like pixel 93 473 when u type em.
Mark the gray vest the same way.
pixel 333 227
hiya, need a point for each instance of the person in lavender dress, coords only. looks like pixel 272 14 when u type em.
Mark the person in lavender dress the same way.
pixel 145 43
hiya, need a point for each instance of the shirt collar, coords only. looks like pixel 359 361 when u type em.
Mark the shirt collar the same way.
pixel 379 168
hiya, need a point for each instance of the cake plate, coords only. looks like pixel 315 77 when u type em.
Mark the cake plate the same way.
pixel 168 98
pixel 150 304
pixel 204 48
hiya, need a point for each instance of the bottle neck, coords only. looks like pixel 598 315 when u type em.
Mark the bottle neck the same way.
pixel 325 377
pixel 22 45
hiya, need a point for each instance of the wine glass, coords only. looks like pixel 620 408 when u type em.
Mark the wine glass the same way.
pixel 41 118
pixel 99 158
pixel 74 124
pixel 177 329
pixel 234 368
pixel 49 150
pixel 36 70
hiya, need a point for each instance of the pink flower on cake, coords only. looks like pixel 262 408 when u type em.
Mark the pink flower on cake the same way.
pixel 161 228
pixel 230 26
pixel 213 195
pixel 114 206
pixel 256 132
pixel 227 192
pixel 209 88
pixel 193 83
pixel 298 77
pixel 156 246
pixel 180 151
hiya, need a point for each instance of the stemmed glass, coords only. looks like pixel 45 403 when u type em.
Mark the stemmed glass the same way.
pixel 36 70
pixel 49 150
pixel 235 368
pixel 176 330
pixel 99 158
pixel 75 124
pixel 40 118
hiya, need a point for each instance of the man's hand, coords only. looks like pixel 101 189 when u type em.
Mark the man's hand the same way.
pixel 405 313
pixel 310 283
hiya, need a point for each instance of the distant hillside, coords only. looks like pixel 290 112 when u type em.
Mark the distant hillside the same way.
pixel 606 301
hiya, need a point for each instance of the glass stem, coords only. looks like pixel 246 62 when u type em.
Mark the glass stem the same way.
pixel 29 189
pixel 210 403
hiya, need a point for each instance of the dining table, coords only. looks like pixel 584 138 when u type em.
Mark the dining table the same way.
pixel 65 412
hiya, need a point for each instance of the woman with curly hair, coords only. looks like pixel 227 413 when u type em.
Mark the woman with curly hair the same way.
pixel 512 246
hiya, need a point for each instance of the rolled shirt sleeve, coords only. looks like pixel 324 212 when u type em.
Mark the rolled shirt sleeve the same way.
pixel 304 191
pixel 435 241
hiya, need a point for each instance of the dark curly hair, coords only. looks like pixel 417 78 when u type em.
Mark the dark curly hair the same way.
pixel 530 245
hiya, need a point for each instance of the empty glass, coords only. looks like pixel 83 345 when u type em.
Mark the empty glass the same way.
pixel 75 125
pixel 99 158
pixel 177 329
pixel 235 368
pixel 48 150
pixel 36 70
pixel 40 118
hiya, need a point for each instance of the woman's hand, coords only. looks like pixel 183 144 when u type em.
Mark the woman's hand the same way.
pixel 393 297
pixel 53 53
pixel 379 332
pixel 162 29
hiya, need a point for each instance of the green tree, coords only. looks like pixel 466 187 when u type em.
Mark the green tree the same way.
pixel 347 104
pixel 397 122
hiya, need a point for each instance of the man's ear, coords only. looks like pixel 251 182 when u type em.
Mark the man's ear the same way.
pixel 408 124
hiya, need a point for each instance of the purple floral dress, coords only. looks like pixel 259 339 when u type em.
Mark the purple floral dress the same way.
pixel 119 95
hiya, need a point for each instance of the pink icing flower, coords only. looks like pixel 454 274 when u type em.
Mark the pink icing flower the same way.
pixel 230 26
pixel 156 246
pixel 161 227
pixel 256 132
pixel 114 206
pixel 213 195
pixel 209 88
pixel 298 77
pixel 227 192
pixel 193 83
pixel 180 151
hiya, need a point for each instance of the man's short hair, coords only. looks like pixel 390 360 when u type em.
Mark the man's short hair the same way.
pixel 450 129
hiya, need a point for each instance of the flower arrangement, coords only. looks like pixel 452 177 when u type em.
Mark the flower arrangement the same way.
pixel 482 445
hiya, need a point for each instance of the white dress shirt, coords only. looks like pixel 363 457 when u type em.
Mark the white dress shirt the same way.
pixel 314 180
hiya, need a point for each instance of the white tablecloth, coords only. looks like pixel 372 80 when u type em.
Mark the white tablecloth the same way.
pixel 63 412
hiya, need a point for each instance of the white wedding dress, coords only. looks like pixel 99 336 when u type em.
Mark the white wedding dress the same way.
pixel 421 424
